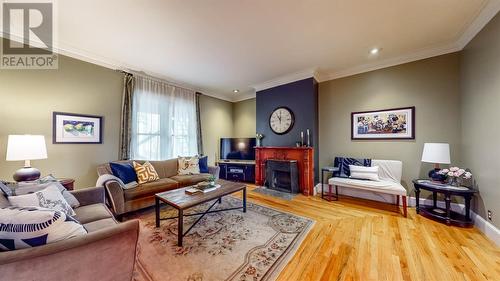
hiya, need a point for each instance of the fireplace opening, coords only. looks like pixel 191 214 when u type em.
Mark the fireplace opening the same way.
pixel 282 175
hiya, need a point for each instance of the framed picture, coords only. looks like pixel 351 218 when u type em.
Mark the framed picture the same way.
pixel 388 124
pixel 76 128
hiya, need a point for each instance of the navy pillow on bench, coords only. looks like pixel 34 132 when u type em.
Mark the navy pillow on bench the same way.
pixel 343 164
pixel 203 162
pixel 123 171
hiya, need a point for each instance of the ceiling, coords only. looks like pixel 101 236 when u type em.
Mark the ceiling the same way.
pixel 215 46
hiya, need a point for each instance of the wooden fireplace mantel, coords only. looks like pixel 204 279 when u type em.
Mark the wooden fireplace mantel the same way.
pixel 305 163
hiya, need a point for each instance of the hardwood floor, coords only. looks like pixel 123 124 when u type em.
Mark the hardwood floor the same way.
pixel 356 239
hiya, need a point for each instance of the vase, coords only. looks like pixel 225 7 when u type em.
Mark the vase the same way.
pixel 257 142
pixel 454 181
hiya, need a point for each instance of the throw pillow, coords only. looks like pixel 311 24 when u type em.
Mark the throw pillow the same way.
pixel 34 226
pixel 26 188
pixel 49 198
pixel 188 166
pixel 364 173
pixel 343 164
pixel 145 173
pixel 124 171
pixel 203 163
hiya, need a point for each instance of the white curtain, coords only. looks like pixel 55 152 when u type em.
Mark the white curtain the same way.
pixel 164 122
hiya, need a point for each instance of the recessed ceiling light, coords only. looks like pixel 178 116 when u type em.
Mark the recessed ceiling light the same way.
pixel 236 91
pixel 374 51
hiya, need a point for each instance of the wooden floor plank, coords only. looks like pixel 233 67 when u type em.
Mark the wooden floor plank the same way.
pixel 357 239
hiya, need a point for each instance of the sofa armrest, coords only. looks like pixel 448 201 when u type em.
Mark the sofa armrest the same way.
pixel 214 170
pixel 89 196
pixel 111 247
pixel 114 192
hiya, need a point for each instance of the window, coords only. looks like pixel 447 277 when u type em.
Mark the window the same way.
pixel 164 122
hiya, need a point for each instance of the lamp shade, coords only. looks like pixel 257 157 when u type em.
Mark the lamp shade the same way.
pixel 26 147
pixel 438 153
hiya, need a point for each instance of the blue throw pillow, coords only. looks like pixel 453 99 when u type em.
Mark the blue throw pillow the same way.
pixel 343 164
pixel 123 171
pixel 203 162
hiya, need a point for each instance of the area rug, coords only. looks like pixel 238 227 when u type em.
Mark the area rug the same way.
pixel 275 193
pixel 229 245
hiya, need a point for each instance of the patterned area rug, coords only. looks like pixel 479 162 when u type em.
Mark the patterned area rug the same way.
pixel 230 245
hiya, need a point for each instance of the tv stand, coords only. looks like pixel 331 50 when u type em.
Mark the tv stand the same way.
pixel 232 170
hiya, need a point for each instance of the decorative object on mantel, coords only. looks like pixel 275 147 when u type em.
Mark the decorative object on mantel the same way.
pixel 26 148
pixel 281 120
pixel 455 175
pixel 387 124
pixel 76 128
pixel 436 153
pixel 308 138
pixel 258 138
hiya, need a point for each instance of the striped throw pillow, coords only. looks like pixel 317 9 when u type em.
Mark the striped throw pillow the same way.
pixel 25 227
pixel 145 173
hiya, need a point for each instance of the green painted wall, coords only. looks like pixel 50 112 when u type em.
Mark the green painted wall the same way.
pixel 480 85
pixel 431 85
pixel 244 118
pixel 28 98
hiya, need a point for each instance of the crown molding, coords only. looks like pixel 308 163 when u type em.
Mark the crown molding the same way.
pixel 490 9
pixel 289 78
pixel 423 54
pixel 245 96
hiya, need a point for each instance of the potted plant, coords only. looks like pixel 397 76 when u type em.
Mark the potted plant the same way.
pixel 258 137
pixel 455 175
pixel 211 180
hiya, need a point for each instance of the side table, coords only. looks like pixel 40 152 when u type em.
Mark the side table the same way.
pixel 445 215
pixel 330 196
pixel 68 183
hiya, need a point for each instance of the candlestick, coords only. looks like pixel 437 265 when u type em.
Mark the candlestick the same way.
pixel 308 138
pixel 302 138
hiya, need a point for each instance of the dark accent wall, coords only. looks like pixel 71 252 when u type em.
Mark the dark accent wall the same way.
pixel 302 98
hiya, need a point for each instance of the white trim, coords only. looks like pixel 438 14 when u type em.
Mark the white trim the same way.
pixel 487 228
pixel 289 78
pixel 490 9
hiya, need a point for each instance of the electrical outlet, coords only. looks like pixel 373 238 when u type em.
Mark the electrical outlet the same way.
pixel 489 214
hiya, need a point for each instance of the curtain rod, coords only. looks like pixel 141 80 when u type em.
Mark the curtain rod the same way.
pixel 145 75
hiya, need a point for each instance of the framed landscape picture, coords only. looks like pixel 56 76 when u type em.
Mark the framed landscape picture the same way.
pixel 76 128
pixel 388 124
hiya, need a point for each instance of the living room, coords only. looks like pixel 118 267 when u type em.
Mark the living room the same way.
pixel 340 140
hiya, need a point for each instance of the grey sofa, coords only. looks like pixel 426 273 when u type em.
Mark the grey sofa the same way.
pixel 123 201
pixel 108 245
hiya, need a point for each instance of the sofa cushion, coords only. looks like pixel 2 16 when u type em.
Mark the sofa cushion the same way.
pixel 145 172
pixel 93 212
pixel 99 224
pixel 165 168
pixel 25 188
pixel 124 171
pixel 50 198
pixel 35 226
pixel 364 173
pixel 389 187
pixel 203 162
pixel 150 188
pixel 187 180
pixel 188 166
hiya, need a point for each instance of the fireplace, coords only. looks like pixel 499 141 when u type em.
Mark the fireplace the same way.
pixel 282 175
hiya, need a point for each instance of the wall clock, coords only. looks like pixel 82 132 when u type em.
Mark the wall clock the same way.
pixel 281 120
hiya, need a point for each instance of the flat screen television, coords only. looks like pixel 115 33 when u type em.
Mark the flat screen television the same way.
pixel 237 148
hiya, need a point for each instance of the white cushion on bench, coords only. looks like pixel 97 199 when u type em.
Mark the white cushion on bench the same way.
pixel 389 187
pixel 389 173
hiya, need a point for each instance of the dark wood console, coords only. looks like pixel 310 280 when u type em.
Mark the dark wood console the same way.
pixel 237 171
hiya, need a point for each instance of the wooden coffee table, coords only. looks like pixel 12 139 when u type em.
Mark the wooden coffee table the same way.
pixel 181 201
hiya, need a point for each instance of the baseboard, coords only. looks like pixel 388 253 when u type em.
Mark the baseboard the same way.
pixel 487 228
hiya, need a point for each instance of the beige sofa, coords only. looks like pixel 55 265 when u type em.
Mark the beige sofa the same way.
pixel 108 245
pixel 123 200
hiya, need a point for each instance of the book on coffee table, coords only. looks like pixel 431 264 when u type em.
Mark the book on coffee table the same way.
pixel 194 189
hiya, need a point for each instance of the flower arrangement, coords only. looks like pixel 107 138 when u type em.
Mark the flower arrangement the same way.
pixel 455 175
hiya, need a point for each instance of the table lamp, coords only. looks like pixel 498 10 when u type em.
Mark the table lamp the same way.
pixel 436 153
pixel 26 148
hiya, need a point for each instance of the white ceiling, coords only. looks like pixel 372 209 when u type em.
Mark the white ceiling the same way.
pixel 216 46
